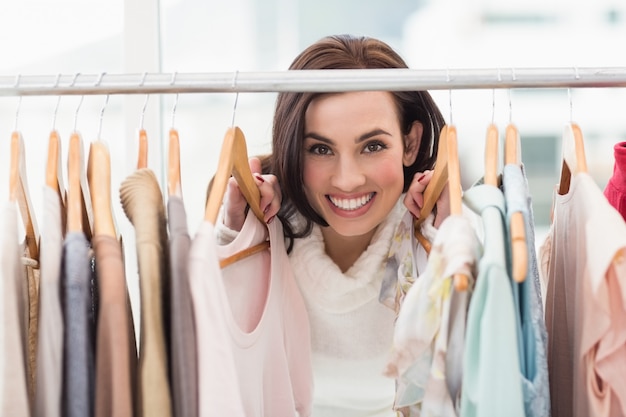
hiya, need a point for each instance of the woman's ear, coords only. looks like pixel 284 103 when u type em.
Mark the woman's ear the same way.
pixel 412 142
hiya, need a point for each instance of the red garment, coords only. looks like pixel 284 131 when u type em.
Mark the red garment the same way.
pixel 615 190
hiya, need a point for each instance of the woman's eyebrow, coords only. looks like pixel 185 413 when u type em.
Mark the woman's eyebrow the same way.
pixel 317 136
pixel 372 133
pixel 360 139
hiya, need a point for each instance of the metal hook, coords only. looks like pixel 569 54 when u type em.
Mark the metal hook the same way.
pixel 19 102
pixel 234 86
pixel 510 108
pixel 56 107
pixel 569 96
pixel 493 105
pixel 79 103
pixel 175 99
pixel 145 104
pixel 106 101
pixel 493 99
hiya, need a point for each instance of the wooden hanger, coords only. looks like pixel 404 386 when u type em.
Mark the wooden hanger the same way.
pixel 456 193
pixel 234 161
pixel 517 230
pixel 435 186
pixel 491 155
pixel 79 209
pixel 18 192
pixel 142 155
pixel 574 159
pixel 174 187
pixel 54 171
pixel 99 176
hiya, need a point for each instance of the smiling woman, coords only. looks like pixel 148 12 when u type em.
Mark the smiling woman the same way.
pixel 336 177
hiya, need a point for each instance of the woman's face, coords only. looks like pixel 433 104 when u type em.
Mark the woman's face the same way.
pixel 353 159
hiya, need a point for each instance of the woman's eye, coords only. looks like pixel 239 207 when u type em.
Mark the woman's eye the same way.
pixel 320 150
pixel 374 147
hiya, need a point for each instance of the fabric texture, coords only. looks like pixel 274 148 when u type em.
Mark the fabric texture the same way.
pixel 32 274
pixel 184 361
pixel 14 400
pixel 50 343
pixel 269 328
pixel 405 253
pixel 351 331
pixel 142 202
pixel 116 353
pixel 418 357
pixel 78 353
pixel 583 260
pixel 615 190
pixel 233 380
pixel 491 373
pixel 532 334
pixel 218 387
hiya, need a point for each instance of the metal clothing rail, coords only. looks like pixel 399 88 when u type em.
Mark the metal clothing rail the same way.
pixel 312 81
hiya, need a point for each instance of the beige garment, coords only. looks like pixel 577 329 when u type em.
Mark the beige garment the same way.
pixel 583 260
pixel 32 274
pixel 14 400
pixel 142 202
pixel 116 354
pixel 50 333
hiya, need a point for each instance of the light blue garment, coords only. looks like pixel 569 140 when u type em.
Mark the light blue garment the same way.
pixel 492 385
pixel 531 325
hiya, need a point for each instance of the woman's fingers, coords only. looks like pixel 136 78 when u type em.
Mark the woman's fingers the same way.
pixel 414 199
pixel 234 206
pixel 271 196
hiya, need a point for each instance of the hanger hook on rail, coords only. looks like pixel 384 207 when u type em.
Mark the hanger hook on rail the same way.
pixel 493 99
pixel 56 107
pixel 449 93
pixel 175 98
pixel 19 102
pixel 80 103
pixel 234 87
pixel 106 102
pixel 145 103
pixel 569 96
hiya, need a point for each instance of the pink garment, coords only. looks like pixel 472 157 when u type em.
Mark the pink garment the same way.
pixel 615 190
pixel 254 348
pixel 583 259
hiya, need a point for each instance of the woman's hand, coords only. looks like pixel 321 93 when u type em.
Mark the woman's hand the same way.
pixel 235 203
pixel 414 199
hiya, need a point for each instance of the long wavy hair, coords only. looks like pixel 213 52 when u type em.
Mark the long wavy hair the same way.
pixel 286 160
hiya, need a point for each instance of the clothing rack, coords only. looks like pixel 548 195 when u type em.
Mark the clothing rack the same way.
pixel 312 81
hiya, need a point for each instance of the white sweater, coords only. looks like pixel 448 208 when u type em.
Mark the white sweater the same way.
pixel 351 331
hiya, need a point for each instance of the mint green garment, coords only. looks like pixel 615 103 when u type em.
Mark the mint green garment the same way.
pixel 492 385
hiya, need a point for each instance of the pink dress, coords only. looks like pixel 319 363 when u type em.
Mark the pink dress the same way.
pixel 252 327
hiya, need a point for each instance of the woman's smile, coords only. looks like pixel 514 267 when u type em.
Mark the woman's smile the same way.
pixel 351 203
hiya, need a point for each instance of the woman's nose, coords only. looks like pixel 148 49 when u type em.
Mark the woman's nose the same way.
pixel 348 175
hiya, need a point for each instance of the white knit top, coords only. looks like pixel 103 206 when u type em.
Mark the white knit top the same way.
pixel 351 331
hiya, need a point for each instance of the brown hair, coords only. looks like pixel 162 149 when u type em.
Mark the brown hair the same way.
pixel 286 160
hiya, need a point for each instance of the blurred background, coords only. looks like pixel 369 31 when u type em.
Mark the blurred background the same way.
pixel 40 37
